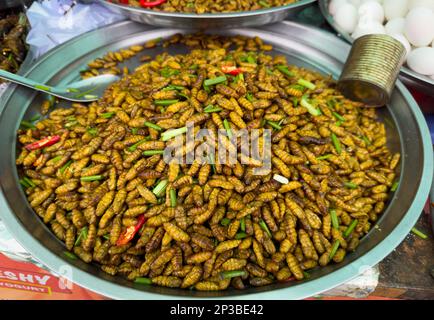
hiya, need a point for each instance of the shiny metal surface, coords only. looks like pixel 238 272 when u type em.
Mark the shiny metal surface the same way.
pixel 303 46
pixel 207 21
pixel 417 81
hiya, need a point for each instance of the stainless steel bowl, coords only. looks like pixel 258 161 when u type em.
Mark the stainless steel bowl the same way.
pixel 303 46
pixel 209 20
pixel 409 77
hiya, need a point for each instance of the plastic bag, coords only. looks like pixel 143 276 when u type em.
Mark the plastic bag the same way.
pixel 56 21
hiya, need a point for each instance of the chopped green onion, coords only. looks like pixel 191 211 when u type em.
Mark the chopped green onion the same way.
pixel 306 84
pixel 264 227
pixel 339 123
pixel 213 81
pixel 193 67
pixel 249 96
pixel 336 143
pixel 239 77
pixel 172 198
pixel 167 72
pixel 134 130
pixel 243 225
pixel 153 126
pixel 24 184
pixel 92 131
pixel 29 181
pixel 294 101
pixel 214 109
pixel 335 248
pixel 306 275
pixel 56 159
pixel 35 118
pixel 160 187
pixel 324 157
pixel 65 166
pixel 350 228
pixel 92 178
pixel 228 128
pixel 27 124
pixel 134 146
pixel 310 108
pixel 240 235
pixel 225 221
pixel 335 221
pixel 285 71
pixel 331 103
pixel 169 134
pixel 232 274
pixel 269 71
pixel 419 233
pixel 394 186
pixel 251 59
pixel 350 185
pixel 274 125
pixel 338 116
pixel 367 142
pixel 70 255
pixel 173 87
pixel 42 87
pixel 152 152
pixel 143 280
pixel 81 236
pixel 107 115
pixel 70 124
pixel 165 102
pixel 106 236
pixel 180 94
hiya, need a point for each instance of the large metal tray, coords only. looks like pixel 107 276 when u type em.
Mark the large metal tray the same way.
pixel 303 46
pixel 209 20
pixel 409 77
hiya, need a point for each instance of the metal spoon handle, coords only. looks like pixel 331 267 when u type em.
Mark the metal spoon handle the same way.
pixel 24 81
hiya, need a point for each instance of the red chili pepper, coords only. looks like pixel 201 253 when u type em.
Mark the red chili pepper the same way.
pixel 46 142
pixel 231 70
pixel 131 231
pixel 149 4
pixel 125 1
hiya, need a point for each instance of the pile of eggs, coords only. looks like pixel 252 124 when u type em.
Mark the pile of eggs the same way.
pixel 409 21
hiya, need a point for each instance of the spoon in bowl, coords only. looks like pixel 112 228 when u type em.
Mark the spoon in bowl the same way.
pixel 87 90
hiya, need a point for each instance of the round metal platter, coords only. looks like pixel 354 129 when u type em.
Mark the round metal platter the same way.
pixel 303 46
pixel 209 20
pixel 409 77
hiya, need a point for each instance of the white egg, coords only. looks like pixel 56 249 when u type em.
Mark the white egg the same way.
pixel 368 26
pixel 372 9
pixel 334 5
pixel 421 60
pixel 419 26
pixel 396 25
pixel 395 8
pixel 346 17
pixel 401 38
pixel 421 3
pixel 355 3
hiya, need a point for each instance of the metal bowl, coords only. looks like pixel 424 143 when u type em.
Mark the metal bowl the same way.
pixel 209 20
pixel 303 46
pixel 409 77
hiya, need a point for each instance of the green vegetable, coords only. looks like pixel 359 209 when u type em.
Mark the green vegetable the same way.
pixel 240 235
pixel 243 225
pixel 285 71
pixel 310 108
pixel 336 143
pixel 249 96
pixel 153 126
pixel 134 130
pixel 264 227
pixel 160 187
pixel 92 131
pixel 29 182
pixel 143 280
pixel 324 157
pixel 419 233
pixel 350 185
pixel 214 81
pixel 350 228
pixel 168 72
pixel 92 178
pixel 306 84
pixel 152 152
pixel 169 134
pixel 335 248
pixel 274 125
pixel 70 255
pixel 232 274
pixel 107 115
pixel 173 199
pixel 27 124
pixel 367 142
pixel 81 236
pixel 24 184
pixel 173 87
pixel 134 146
pixel 228 128
pixel 35 118
pixel 251 59
pixel 335 221
pixel 338 116
pixel 165 102
pixel 225 221
pixel 65 166
pixel 394 186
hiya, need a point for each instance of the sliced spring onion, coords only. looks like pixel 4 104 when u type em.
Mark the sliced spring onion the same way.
pixel 92 131
pixel 249 96
pixel 134 146
pixel 350 228
pixel 134 130
pixel 27 124
pixel 232 274
pixel 167 72
pixel 165 102
pixel 143 280
pixel 152 152
pixel 160 187
pixel 335 221
pixel 65 166
pixel 240 235
pixel 173 87
pixel 336 143
pixel 81 236
pixel 225 221
pixel 310 108
pixel 169 134
pixel 24 184
pixel 306 84
pixel 214 81
pixel 70 255
pixel 280 179
pixel 250 59
pixel 107 115
pixel 419 233
pixel 173 199
pixel 35 118
pixel 153 126
pixel 264 227
pixel 394 186
pixel 367 142
pixel 350 185
pixel 56 159
pixel 92 178
pixel 338 116
pixel 335 248
pixel 242 225
pixel 274 125
pixel 228 128
pixel 285 71
pixel 29 182
pixel 324 157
